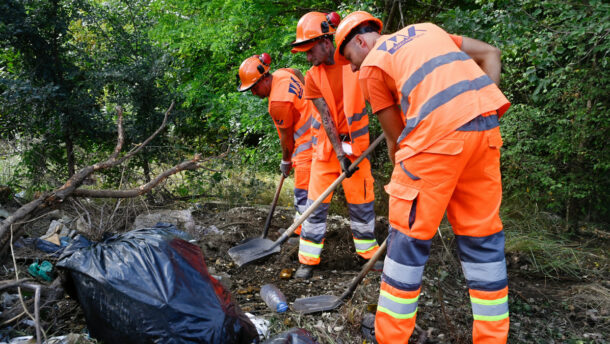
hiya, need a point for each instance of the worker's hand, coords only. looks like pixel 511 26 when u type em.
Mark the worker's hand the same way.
pixel 285 167
pixel 345 164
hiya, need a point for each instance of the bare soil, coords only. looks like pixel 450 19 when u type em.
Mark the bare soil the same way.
pixel 542 310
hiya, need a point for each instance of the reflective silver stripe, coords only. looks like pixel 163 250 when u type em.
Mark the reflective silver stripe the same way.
pixel 315 124
pixel 489 310
pixel 420 74
pixel 356 117
pixel 402 273
pixel 314 140
pixel 302 147
pixel 313 229
pixel 301 209
pixel 442 98
pixel 310 249
pixel 303 129
pixel 362 229
pixel 365 246
pixel 485 272
pixel 359 132
pixel 397 305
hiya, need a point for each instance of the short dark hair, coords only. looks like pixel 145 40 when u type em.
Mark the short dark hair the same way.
pixel 366 27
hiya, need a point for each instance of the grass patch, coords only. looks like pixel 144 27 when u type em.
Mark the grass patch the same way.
pixel 537 241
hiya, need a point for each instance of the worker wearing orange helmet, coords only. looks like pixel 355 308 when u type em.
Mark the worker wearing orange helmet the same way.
pixel 291 114
pixel 437 99
pixel 335 91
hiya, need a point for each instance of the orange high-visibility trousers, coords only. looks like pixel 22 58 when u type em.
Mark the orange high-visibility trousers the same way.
pixel 359 192
pixel 459 174
pixel 301 186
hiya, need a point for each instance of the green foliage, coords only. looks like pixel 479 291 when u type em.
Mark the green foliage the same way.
pixel 555 60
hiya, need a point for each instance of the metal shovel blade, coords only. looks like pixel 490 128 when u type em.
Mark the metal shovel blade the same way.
pixel 253 249
pixel 315 304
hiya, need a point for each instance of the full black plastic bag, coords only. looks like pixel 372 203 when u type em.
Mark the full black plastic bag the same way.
pixel 150 286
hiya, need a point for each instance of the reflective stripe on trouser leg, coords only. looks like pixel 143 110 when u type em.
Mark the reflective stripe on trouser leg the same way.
pixel 300 204
pixel 302 172
pixel 400 287
pixel 484 268
pixel 360 195
pixel 362 221
pixel 312 235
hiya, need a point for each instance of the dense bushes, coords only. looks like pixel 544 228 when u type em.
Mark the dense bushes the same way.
pixel 555 60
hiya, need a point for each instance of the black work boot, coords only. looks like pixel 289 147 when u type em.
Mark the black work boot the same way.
pixel 378 266
pixel 304 271
pixel 368 328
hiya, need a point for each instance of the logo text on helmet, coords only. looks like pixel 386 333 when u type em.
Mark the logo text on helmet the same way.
pixel 397 41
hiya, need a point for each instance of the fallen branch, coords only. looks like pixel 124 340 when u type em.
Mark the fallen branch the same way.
pixel 50 200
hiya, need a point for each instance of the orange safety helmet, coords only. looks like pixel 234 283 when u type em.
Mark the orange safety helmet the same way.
pixel 312 26
pixel 252 70
pixel 349 23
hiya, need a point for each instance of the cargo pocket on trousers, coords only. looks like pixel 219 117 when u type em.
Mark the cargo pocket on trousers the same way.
pixel 494 140
pixel 403 205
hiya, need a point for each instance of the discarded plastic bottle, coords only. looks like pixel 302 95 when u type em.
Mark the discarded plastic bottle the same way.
pixel 274 298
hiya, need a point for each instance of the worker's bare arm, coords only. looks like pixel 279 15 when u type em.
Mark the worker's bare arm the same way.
pixel 485 55
pixel 392 125
pixel 287 142
pixel 329 125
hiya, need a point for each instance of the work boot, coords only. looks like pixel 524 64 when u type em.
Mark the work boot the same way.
pixel 378 266
pixel 368 328
pixel 304 271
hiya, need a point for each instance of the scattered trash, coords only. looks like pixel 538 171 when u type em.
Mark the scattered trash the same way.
pixel 210 230
pixel 286 273
pixel 293 336
pixel 262 325
pixel 149 285
pixel 179 218
pixel 274 298
pixel 7 300
pixel 43 270
pixel 71 338
pixel 4 214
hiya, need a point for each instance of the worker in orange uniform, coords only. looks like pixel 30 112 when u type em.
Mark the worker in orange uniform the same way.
pixel 291 114
pixel 336 94
pixel 437 99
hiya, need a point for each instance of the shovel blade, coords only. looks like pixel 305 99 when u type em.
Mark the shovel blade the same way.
pixel 315 304
pixel 251 250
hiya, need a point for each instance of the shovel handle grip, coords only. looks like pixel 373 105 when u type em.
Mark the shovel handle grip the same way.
pixel 325 194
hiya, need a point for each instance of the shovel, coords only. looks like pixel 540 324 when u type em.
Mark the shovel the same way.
pixel 322 303
pixel 271 211
pixel 258 248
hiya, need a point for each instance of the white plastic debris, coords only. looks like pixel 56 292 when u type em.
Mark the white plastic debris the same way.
pixel 262 325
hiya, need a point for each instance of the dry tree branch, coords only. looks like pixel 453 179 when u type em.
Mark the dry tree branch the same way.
pixel 49 200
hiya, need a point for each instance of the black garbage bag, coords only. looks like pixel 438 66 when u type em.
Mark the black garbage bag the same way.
pixel 150 286
pixel 292 336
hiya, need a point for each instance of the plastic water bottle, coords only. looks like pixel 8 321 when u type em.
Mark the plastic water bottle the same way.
pixel 274 298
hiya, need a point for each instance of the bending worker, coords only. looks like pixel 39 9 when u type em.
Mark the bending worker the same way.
pixel 336 94
pixel 291 114
pixel 437 99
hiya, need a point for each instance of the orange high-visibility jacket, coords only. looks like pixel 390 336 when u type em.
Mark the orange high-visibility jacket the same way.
pixel 354 108
pixel 286 87
pixel 440 87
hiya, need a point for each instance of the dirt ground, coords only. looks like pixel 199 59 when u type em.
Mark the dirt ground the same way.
pixel 542 310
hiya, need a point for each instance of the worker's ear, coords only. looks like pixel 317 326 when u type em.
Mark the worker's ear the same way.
pixel 359 40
